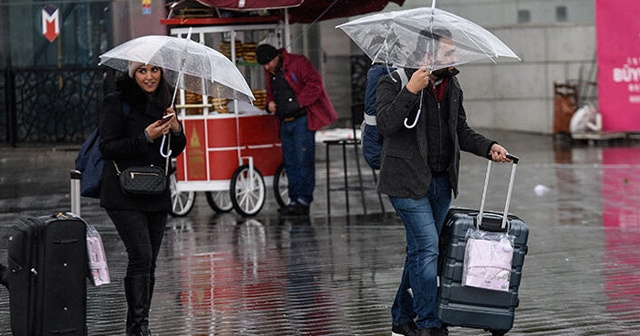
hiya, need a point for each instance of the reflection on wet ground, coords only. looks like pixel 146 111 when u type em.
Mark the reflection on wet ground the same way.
pixel 228 275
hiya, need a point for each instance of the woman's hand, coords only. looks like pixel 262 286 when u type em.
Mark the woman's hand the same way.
pixel 175 125
pixel 157 129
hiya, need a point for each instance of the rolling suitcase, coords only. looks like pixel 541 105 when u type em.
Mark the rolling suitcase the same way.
pixel 466 306
pixel 47 258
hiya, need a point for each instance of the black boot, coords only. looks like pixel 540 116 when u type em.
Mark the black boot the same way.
pixel 4 274
pixel 136 289
pixel 152 285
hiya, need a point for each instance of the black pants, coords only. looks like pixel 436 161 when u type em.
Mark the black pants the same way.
pixel 142 233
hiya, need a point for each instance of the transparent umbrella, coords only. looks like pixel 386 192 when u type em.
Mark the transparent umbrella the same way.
pixel 187 65
pixel 410 38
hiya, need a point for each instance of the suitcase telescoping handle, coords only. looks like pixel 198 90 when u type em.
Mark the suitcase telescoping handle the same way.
pixel 75 191
pixel 514 160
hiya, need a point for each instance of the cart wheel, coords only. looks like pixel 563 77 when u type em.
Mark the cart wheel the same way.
pixel 219 201
pixel 181 202
pixel 247 191
pixel 281 187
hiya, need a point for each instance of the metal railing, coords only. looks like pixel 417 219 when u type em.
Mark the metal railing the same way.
pixel 50 105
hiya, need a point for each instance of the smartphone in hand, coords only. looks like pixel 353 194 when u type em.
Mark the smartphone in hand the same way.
pixel 166 118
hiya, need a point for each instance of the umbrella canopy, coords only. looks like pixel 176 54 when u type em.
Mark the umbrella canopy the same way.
pixel 411 38
pixel 307 11
pixel 187 64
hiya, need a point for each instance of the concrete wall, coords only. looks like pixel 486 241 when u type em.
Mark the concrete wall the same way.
pixel 509 95
pixel 129 22
pixel 519 95
pixel 336 67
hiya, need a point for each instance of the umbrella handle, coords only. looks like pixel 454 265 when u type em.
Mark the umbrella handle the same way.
pixel 168 153
pixel 415 122
pixel 406 120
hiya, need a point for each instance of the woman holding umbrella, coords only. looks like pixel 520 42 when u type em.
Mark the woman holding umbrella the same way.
pixel 132 133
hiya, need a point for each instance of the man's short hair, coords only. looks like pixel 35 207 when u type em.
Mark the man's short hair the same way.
pixel 436 34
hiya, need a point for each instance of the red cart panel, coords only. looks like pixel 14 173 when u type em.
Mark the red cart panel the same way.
pixel 212 146
pixel 222 164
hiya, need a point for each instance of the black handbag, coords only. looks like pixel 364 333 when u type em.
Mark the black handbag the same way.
pixel 144 180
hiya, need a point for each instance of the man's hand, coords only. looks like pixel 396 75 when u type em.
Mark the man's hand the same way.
pixel 271 107
pixel 498 153
pixel 419 80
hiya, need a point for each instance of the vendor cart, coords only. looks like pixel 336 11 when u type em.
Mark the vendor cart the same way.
pixel 232 148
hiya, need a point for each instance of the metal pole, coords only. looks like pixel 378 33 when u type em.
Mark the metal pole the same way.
pixel 287 31
pixel 10 103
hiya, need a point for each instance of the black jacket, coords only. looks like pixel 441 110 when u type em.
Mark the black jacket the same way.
pixel 122 139
pixel 404 170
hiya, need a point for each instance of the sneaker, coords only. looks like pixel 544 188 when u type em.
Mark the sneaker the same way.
pixel 433 332
pixel 295 209
pixel 407 329
pixel 283 210
pixel 438 331
pixel 287 208
pixel 300 209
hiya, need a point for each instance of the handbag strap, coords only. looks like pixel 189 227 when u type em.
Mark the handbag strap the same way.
pixel 118 172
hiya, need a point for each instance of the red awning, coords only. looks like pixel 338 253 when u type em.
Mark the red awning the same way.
pixel 305 11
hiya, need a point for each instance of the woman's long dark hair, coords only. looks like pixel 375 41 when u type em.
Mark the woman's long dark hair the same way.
pixel 131 92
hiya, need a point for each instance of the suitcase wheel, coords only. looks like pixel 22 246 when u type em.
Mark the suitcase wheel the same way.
pixel 498 332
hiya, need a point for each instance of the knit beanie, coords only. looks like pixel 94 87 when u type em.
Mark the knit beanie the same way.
pixel 133 66
pixel 265 53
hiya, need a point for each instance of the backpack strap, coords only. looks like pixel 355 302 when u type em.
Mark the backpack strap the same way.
pixel 371 119
pixel 403 77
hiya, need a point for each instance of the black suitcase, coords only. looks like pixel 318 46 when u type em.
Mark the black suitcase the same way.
pixel 47 285
pixel 474 307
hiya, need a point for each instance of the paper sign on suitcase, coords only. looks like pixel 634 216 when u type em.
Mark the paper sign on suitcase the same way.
pixel 487 261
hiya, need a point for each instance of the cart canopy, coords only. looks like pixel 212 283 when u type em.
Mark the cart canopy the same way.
pixel 305 11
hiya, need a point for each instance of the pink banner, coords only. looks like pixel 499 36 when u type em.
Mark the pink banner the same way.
pixel 618 40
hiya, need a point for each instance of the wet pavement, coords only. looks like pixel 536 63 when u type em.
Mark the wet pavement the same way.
pixel 221 274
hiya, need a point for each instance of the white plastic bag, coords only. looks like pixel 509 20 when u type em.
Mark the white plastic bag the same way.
pixel 487 260
pixel 97 259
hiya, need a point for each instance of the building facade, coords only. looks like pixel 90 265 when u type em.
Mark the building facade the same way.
pixel 60 78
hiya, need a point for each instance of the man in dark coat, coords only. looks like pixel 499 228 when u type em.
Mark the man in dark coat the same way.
pixel 424 127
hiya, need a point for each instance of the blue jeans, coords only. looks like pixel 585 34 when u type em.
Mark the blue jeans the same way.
pixel 299 154
pixel 423 219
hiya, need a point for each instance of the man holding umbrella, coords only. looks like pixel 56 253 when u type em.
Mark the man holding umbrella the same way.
pixel 295 93
pixel 424 128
